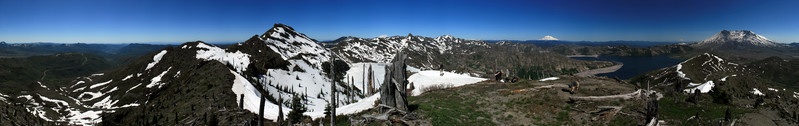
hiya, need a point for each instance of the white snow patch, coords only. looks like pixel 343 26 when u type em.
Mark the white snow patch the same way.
pixel 3 97
pixel 129 105
pixel 703 87
pixel 60 103
pixel 549 79
pixel 238 60
pixel 134 87
pixel 795 95
pixel 128 77
pixel 156 81
pixel 156 59
pixel 106 103
pixel 85 118
pixel 772 89
pixel 430 78
pixel 79 82
pixel 757 92
pixel 42 85
pixel 100 84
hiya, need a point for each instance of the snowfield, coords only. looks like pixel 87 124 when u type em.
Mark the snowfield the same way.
pixel 430 78
pixel 252 98
pixel 238 60
pixel 703 87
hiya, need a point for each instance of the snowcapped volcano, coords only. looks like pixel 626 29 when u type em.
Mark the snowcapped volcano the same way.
pixel 736 40
pixel 548 38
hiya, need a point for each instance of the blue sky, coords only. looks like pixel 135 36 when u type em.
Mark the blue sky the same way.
pixel 118 21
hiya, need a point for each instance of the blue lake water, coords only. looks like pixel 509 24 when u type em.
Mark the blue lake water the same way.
pixel 634 65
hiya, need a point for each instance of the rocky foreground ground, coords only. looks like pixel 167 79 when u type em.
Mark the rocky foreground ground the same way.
pixel 599 101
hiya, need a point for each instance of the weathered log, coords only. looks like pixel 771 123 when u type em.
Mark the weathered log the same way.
pixel 636 94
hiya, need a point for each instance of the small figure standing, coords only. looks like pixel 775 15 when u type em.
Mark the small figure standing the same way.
pixel 498 75
pixel 574 86
pixel 441 69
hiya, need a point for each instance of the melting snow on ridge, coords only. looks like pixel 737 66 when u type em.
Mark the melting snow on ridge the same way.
pixel 156 59
pixel 127 77
pixel 252 98
pixel 429 78
pixel 703 87
pixel 156 80
pixel 59 103
pixel 100 84
pixel 757 92
pixel 238 60
pixel 549 79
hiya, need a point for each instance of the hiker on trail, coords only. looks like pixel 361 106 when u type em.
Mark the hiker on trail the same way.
pixel 498 75
pixel 574 86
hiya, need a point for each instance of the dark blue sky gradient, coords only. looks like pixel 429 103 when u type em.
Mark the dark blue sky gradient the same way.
pixel 115 21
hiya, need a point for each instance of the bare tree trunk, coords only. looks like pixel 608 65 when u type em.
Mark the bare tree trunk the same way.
pixel 280 110
pixel 333 92
pixel 261 111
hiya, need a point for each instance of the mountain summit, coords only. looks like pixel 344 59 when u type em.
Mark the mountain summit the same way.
pixel 548 38
pixel 736 40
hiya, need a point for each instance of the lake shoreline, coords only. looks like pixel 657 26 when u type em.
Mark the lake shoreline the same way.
pixel 594 72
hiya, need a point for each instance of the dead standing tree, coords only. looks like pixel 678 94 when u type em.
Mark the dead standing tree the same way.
pixel 332 91
pixel 392 91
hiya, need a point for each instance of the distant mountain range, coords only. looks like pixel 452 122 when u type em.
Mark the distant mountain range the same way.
pixel 741 39
pixel 550 43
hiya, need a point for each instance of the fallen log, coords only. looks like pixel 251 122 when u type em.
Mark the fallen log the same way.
pixel 636 94
pixel 640 93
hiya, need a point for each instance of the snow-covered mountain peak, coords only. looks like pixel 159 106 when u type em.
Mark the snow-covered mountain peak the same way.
pixel 736 39
pixel 548 38
pixel 288 43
